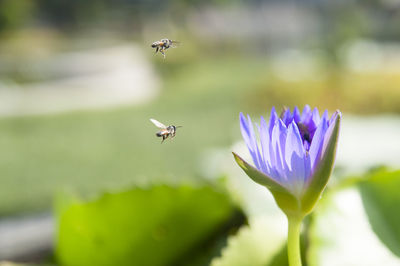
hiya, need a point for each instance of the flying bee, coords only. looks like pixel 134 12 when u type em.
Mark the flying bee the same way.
pixel 166 131
pixel 163 45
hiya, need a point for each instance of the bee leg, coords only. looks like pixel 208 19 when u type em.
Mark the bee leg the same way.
pixel 162 52
pixel 156 50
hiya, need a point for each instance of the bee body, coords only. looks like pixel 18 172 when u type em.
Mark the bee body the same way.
pixel 163 45
pixel 165 131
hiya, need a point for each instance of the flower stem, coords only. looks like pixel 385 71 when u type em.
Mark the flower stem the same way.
pixel 294 241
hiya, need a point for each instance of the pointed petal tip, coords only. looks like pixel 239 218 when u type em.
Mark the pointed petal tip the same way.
pixel 243 164
pixel 242 120
pixel 337 116
pixel 249 120
pixel 332 133
pixel 273 112
pixel 234 154
pixel 241 116
pixel 239 160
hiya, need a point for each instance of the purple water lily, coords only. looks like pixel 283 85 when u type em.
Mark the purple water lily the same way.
pixel 293 158
pixel 291 146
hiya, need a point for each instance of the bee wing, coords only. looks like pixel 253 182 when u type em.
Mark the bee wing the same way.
pixel 175 44
pixel 158 124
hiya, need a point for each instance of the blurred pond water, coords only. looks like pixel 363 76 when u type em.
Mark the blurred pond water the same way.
pixel 82 79
pixel 367 142
pixel 26 238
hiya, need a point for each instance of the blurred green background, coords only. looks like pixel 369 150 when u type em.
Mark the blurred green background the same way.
pixel 79 83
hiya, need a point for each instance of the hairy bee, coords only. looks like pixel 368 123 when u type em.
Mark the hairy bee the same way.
pixel 166 131
pixel 163 45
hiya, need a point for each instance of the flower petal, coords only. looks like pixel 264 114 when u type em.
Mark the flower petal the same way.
pixel 244 128
pixel 306 115
pixel 318 138
pixel 294 156
pixel 307 167
pixel 323 169
pixel 293 143
pixel 247 130
pixel 325 114
pixel 264 140
pixel 287 116
pixel 272 120
pixel 263 164
pixel 278 146
pixel 333 118
pixel 315 116
pixel 296 114
pixel 331 131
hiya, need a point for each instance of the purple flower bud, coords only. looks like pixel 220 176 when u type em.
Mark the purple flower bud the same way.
pixel 294 155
